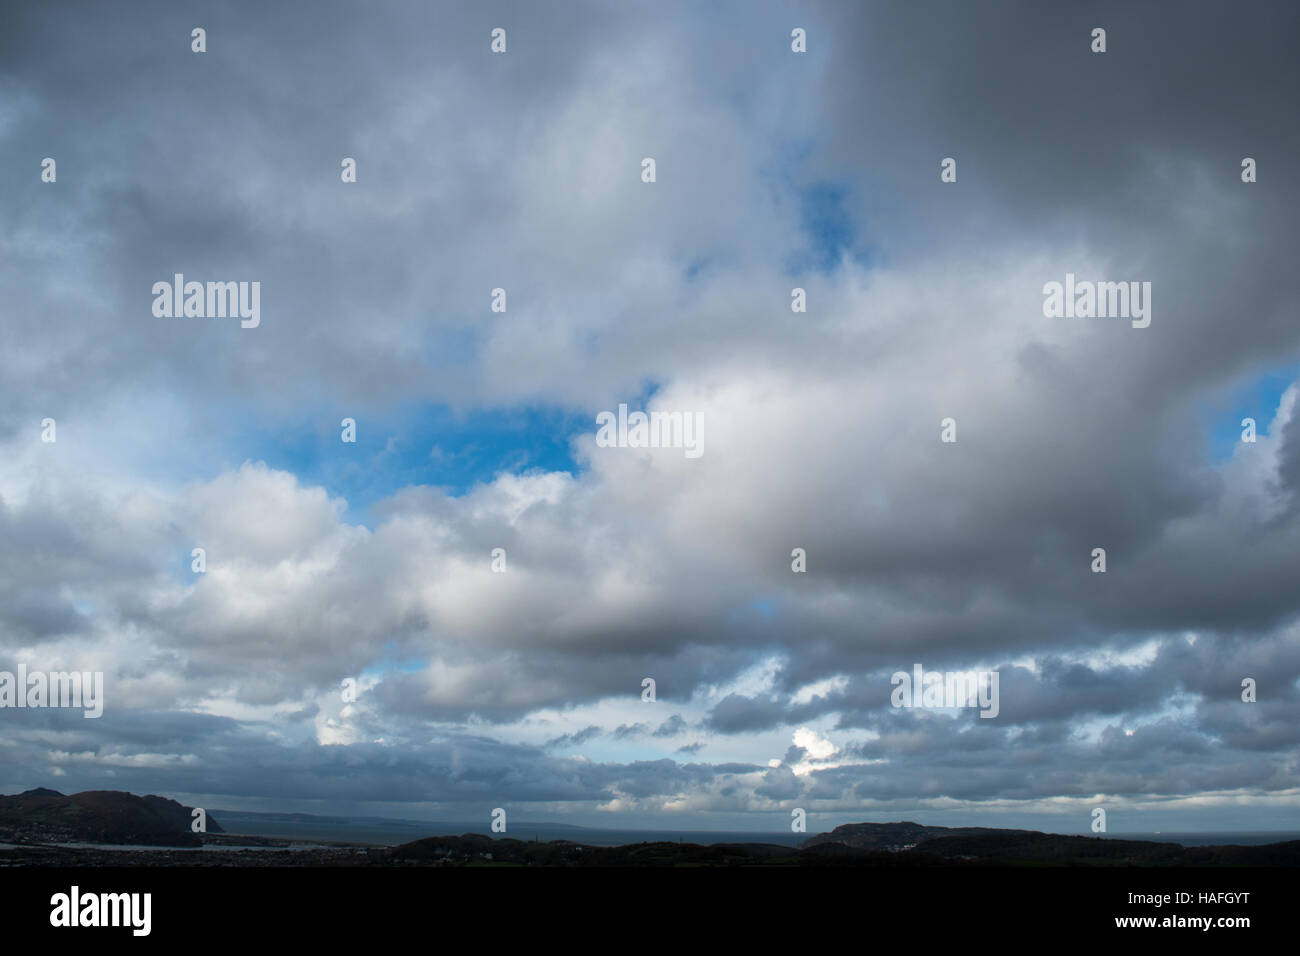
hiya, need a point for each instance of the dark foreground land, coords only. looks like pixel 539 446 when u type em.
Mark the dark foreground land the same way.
pixel 1017 848
pixel 40 824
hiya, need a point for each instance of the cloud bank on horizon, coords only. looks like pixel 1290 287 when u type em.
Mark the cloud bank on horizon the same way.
pixel 475 429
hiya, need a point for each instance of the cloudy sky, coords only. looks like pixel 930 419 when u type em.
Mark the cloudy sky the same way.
pixel 475 429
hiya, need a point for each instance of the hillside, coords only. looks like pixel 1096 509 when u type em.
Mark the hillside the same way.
pixel 97 816
pixel 895 837
pixel 1011 847
pixel 875 843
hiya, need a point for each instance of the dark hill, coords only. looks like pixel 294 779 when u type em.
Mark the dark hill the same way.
pixel 904 835
pixel 989 846
pixel 97 816
pixel 475 848
pixel 966 847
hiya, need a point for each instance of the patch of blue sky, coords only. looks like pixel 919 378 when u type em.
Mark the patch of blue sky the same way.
pixel 425 444
pixel 829 231
pixel 391 660
pixel 829 228
pixel 432 445
pixel 413 444
pixel 1257 398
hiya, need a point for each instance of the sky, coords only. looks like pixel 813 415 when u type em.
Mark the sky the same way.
pixel 372 560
